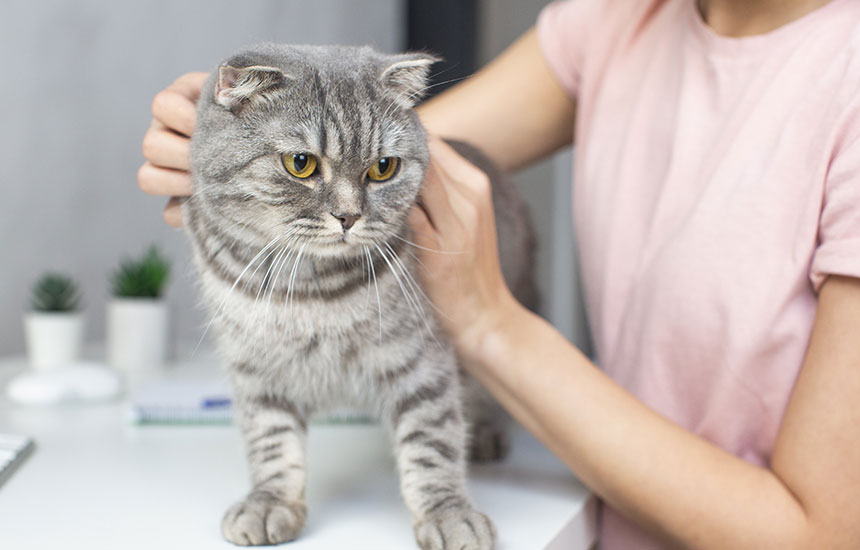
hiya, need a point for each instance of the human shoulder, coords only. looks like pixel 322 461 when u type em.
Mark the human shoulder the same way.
pixel 589 29
pixel 603 15
pixel 844 72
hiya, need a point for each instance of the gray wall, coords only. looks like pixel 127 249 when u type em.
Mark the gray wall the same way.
pixel 78 79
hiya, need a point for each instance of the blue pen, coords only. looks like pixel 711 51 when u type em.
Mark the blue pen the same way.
pixel 216 402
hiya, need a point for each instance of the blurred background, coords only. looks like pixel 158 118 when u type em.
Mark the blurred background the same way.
pixel 80 76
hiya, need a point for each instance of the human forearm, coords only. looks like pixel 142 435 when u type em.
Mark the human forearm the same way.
pixel 644 466
pixel 513 109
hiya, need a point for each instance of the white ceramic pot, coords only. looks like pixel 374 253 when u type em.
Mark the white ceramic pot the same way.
pixel 53 338
pixel 137 333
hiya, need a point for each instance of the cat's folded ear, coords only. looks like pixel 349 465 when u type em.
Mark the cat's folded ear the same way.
pixel 236 86
pixel 405 77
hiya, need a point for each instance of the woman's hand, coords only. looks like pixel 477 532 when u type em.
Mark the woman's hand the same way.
pixel 455 228
pixel 165 145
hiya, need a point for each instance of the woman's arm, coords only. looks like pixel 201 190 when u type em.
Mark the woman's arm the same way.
pixel 514 108
pixel 663 477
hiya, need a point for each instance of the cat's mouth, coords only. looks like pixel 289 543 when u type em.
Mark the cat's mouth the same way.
pixel 339 244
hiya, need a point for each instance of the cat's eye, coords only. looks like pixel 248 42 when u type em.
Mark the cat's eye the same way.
pixel 383 169
pixel 300 165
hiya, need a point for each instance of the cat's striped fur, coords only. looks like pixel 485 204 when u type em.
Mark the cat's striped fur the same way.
pixel 311 316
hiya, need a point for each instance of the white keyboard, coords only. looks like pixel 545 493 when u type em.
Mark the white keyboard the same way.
pixel 14 449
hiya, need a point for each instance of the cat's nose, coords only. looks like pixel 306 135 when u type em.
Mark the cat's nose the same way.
pixel 346 220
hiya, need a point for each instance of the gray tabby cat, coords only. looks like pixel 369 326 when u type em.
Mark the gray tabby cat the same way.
pixel 305 163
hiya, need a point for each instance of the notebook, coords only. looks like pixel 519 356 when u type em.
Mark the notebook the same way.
pixel 14 449
pixel 202 401
pixel 182 402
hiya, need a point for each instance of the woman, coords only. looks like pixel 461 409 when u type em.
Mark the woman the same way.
pixel 717 210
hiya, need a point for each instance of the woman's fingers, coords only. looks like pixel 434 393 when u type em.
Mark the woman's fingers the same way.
pixel 470 179
pixel 423 232
pixel 190 84
pixel 164 148
pixel 175 106
pixel 167 142
pixel 174 111
pixel 453 175
pixel 434 198
pixel 155 180
pixel 461 271
pixel 173 212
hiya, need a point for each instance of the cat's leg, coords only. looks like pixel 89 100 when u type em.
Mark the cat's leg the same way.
pixel 429 435
pixel 489 424
pixel 274 511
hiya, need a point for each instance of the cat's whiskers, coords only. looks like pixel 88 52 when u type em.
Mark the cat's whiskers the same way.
pixel 294 255
pixel 410 280
pixel 292 250
pixel 409 292
pixel 398 237
pixel 289 235
pixel 416 291
pixel 366 270
pixel 264 282
pixel 445 70
pixel 429 301
pixel 409 298
pixel 268 290
pixel 376 285
pixel 219 311
pixel 291 256
pixel 419 92
pixel 293 273
pixel 282 259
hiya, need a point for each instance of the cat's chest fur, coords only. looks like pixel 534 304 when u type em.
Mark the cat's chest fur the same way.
pixel 312 329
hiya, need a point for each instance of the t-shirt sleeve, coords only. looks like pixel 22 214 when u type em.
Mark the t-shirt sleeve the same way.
pixel 838 250
pixel 563 29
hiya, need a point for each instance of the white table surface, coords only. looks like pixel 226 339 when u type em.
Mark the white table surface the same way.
pixel 97 482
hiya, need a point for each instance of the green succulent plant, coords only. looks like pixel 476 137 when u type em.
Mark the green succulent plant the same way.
pixel 55 292
pixel 142 278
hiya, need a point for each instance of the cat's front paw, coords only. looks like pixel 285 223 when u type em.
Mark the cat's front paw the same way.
pixel 263 518
pixel 459 529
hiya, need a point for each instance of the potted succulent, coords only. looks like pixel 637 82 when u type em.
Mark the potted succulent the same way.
pixel 137 320
pixel 54 325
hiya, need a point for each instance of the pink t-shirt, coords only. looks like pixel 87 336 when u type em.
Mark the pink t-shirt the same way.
pixel 716 185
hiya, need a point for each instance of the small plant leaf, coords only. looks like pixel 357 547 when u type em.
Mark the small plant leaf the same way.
pixel 55 292
pixel 142 278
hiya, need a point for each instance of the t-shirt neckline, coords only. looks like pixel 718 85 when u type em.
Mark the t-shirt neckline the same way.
pixel 745 45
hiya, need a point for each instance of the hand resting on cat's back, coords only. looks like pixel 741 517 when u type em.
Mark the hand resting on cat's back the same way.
pixel 305 163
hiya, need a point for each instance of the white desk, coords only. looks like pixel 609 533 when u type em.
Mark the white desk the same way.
pixel 97 482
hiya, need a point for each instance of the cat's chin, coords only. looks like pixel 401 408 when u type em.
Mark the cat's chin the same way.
pixel 335 248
